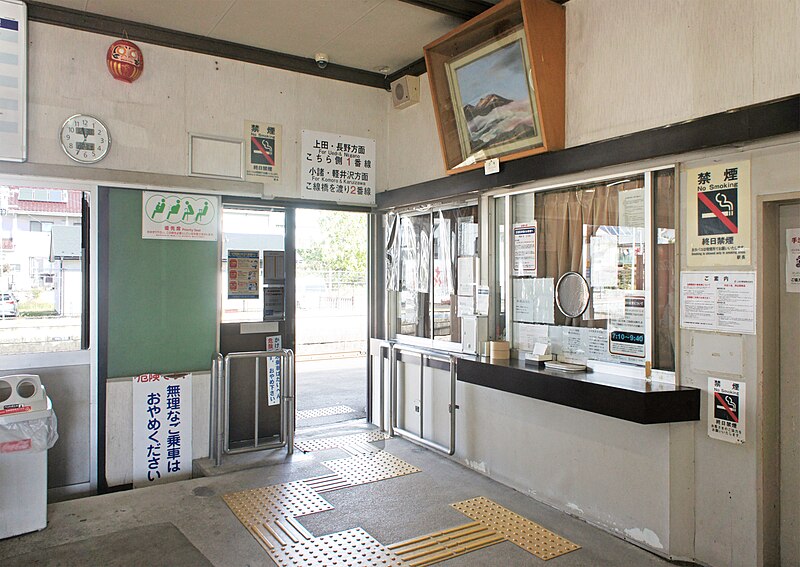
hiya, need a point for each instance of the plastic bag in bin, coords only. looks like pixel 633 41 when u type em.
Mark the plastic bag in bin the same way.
pixel 27 421
pixel 30 435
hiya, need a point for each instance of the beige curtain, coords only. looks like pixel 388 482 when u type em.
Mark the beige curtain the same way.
pixel 562 216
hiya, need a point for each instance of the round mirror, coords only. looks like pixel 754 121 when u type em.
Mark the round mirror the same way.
pixel 572 294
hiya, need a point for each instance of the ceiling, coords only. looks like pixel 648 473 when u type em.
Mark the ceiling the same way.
pixel 366 41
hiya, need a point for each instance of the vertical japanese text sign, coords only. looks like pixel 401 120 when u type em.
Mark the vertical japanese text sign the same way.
pixel 274 372
pixel 162 428
pixel 337 168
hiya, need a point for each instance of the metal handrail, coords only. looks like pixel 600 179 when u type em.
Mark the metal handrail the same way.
pixel 220 408
pixel 394 429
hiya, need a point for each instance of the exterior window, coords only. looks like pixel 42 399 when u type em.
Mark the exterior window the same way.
pixel 617 239
pixel 42 271
pixel 254 231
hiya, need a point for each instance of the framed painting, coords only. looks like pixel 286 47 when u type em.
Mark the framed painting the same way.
pixel 493 98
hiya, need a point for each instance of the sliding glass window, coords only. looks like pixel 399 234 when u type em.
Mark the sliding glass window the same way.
pixel 590 270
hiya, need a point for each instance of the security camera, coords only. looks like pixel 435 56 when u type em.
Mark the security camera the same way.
pixel 321 59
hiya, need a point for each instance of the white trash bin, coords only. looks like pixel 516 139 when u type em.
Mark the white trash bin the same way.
pixel 28 429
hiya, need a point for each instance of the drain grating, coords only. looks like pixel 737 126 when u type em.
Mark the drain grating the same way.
pixel 265 505
pixel 439 546
pixel 347 548
pixel 308 445
pixel 530 536
pixel 370 467
pixel 324 412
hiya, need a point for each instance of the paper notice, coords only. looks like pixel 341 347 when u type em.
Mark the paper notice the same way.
pixel 482 300
pixel 525 249
pixel 793 260
pixel 719 301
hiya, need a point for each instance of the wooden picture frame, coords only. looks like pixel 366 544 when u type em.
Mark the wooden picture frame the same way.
pixel 493 98
pixel 538 27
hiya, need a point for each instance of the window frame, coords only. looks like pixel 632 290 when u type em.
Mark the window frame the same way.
pixel 503 199
pixel 393 296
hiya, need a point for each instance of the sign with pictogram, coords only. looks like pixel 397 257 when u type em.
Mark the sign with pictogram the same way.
pixel 726 410
pixel 718 214
pixel 263 143
pixel 179 216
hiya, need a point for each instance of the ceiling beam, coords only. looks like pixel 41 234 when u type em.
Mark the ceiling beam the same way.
pixel 463 9
pixel 115 27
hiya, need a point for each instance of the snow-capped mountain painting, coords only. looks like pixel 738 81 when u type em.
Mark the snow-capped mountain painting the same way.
pixel 495 99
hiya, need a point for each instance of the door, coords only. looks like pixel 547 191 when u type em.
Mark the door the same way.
pixel 789 216
pixel 254 313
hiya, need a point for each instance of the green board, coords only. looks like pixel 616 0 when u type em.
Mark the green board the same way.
pixel 162 296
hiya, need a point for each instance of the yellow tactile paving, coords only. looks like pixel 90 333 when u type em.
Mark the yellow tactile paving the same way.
pixel 446 544
pixel 326 443
pixel 323 412
pixel 530 536
pixel 265 505
pixel 370 467
pixel 349 548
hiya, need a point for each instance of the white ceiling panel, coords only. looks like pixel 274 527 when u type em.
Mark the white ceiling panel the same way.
pixel 363 34
pixel 191 16
pixel 393 35
pixel 295 27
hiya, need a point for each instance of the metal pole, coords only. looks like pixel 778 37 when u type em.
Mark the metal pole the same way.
pixel 290 400
pixel 255 407
pixel 219 415
pixel 392 389
pixel 421 393
pixel 212 414
pixel 227 415
pixel 453 406
pixel 382 380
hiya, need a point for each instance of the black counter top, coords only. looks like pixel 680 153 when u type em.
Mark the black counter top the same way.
pixel 630 399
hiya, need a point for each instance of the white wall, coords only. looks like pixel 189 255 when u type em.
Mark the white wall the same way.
pixel 182 92
pixel 726 475
pixel 637 65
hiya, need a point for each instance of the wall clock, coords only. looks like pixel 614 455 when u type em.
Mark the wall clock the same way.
pixel 84 138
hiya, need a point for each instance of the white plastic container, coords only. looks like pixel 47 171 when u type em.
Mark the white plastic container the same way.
pixel 25 436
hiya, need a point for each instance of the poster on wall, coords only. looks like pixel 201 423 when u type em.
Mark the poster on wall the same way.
pixel 13 81
pixel 338 168
pixel 626 334
pixel 274 269
pixel 179 216
pixel 274 303
pixel 719 301
pixel 793 260
pixel 718 215
pixel 263 143
pixel 162 428
pixel 243 274
pixel 274 342
pixel 726 410
pixel 525 249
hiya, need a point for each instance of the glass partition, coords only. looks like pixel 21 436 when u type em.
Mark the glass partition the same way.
pixel 428 259
pixel 597 236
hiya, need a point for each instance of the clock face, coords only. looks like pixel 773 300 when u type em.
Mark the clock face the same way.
pixel 85 139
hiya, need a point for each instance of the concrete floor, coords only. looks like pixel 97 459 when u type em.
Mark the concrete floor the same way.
pixel 328 383
pixel 391 511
